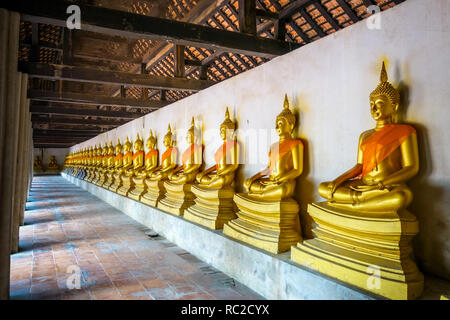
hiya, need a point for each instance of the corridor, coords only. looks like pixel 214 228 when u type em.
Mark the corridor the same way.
pixel 75 246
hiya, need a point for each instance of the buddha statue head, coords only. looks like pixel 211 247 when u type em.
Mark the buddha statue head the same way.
pixel 110 148
pixel 227 127
pixel 151 141
pixel 118 147
pixel 285 121
pixel 105 149
pixel 127 146
pixel 384 100
pixel 138 143
pixel 192 134
pixel 168 138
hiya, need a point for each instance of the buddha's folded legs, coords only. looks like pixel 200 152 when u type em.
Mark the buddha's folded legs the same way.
pixel 392 198
pixel 272 192
pixel 212 181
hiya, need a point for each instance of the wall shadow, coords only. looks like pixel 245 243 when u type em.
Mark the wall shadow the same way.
pixel 304 193
pixel 429 206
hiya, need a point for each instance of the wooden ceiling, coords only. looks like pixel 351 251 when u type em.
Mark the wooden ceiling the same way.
pixel 132 57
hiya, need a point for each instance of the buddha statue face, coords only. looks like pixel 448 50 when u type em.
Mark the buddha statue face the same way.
pixel 283 126
pixel 381 107
pixel 151 142
pixel 118 148
pixel 138 145
pixel 127 146
pixel 190 137
pixel 168 140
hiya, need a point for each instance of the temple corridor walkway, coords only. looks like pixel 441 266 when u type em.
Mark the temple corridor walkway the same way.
pixel 68 230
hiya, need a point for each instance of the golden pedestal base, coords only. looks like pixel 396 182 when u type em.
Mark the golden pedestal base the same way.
pixel 139 189
pixel 213 207
pixel 109 180
pixel 273 226
pixel 55 170
pixel 127 185
pixel 117 178
pixel 371 251
pixel 155 192
pixel 178 197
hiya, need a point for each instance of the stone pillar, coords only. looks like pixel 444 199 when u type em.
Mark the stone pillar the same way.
pixel 20 164
pixel 9 116
pixel 28 153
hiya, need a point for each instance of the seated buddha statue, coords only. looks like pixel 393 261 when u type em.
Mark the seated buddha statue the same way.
pixel 94 163
pixel 268 216
pixel 127 164
pixel 137 164
pixel 52 165
pixel 37 165
pixel 178 194
pixel 364 222
pixel 118 162
pixel 215 189
pixel 99 164
pixel 151 163
pixel 387 157
pixel 89 163
pixel 155 180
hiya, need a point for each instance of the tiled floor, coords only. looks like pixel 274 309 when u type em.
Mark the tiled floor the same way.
pixel 70 235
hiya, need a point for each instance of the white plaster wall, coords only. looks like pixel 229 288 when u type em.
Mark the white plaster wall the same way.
pixel 328 83
pixel 45 154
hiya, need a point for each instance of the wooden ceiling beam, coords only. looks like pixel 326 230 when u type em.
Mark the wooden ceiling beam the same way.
pixel 75 121
pixel 65 133
pixel 130 25
pixel 90 99
pixel 84 112
pixel 79 74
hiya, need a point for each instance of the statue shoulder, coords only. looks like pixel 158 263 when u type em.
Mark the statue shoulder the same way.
pixel 366 134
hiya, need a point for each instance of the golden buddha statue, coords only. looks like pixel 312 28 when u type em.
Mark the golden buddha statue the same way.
pixel 104 167
pixel 89 163
pixel 151 163
pixel 99 163
pixel 155 181
pixel 364 225
pixel 118 162
pixel 127 163
pixel 214 193
pixel 84 164
pixel 93 166
pixel 268 216
pixel 37 165
pixel 52 165
pixel 109 165
pixel 138 164
pixel 178 189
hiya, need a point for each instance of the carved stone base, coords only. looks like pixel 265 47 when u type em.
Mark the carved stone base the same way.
pixel 178 197
pixel 273 226
pixel 139 189
pixel 213 207
pixel 371 251
pixel 155 192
